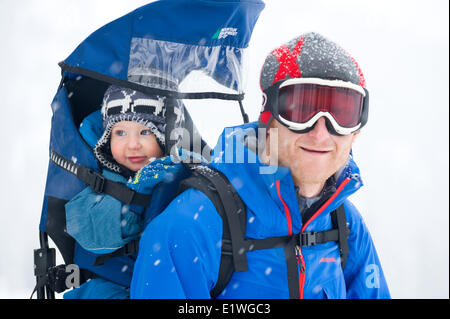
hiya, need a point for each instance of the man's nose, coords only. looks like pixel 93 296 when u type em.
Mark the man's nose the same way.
pixel 320 131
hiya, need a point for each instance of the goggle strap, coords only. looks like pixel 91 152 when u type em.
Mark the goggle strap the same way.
pixel 365 109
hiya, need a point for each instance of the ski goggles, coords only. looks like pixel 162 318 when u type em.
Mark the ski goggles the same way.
pixel 299 102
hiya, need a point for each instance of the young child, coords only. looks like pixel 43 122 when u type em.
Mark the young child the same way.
pixel 133 141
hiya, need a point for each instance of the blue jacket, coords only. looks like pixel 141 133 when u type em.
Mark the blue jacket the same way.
pixel 179 254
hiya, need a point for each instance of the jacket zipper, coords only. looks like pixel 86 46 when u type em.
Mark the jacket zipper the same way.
pixel 298 250
pixel 300 259
pixel 302 269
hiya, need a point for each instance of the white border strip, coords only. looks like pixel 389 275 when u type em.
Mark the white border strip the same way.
pixel 332 83
pixel 302 126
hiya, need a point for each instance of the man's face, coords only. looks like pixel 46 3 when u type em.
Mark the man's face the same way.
pixel 313 156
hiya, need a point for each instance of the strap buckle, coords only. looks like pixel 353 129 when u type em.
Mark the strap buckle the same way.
pixel 57 278
pixel 131 248
pixel 96 181
pixel 308 239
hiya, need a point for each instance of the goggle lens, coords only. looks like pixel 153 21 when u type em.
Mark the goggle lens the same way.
pixel 300 102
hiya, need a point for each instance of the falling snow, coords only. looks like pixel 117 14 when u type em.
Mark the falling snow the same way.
pixel 156 247
pixel 55 106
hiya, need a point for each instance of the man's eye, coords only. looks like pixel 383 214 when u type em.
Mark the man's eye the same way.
pixel 146 132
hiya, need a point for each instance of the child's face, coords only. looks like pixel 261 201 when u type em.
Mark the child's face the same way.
pixel 133 144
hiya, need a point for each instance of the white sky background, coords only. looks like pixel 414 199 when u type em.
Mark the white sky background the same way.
pixel 402 47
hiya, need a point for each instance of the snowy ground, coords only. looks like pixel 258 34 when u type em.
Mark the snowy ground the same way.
pixel 403 49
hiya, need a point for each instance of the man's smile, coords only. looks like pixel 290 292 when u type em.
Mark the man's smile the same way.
pixel 315 151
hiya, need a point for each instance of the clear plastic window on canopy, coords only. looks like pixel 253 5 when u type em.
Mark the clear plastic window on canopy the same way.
pixel 187 68
pixel 199 68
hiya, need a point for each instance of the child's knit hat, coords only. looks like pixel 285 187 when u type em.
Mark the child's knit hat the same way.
pixel 123 104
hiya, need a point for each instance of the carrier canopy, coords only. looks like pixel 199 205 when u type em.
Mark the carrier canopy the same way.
pixel 177 70
pixel 197 44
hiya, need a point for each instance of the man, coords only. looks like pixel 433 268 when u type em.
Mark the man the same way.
pixel 315 103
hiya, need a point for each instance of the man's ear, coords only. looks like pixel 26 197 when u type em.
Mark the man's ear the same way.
pixel 355 136
pixel 270 126
pixel 266 151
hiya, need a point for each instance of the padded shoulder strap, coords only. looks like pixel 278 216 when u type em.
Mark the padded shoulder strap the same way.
pixel 232 210
pixel 99 183
pixel 340 222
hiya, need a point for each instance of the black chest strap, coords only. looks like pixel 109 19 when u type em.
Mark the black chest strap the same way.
pixel 302 240
pixel 338 233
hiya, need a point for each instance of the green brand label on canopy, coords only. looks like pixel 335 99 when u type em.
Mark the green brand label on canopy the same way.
pixel 225 32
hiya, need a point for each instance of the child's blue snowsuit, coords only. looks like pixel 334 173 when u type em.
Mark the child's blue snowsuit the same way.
pixel 101 224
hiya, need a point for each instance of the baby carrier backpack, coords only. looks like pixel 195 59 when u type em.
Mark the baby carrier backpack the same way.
pixel 164 40
pixel 235 245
